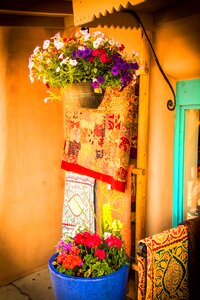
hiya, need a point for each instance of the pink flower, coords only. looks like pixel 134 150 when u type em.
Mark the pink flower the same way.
pixel 93 241
pixel 113 241
pixel 88 239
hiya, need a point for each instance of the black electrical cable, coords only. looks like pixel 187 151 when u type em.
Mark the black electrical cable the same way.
pixel 170 103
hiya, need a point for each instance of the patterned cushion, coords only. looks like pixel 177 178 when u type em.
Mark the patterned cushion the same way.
pixel 193 228
pixel 166 266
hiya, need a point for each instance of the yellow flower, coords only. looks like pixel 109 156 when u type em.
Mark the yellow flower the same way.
pixel 116 225
pixel 107 215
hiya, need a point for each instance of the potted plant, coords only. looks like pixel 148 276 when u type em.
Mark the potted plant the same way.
pixel 89 266
pixel 85 61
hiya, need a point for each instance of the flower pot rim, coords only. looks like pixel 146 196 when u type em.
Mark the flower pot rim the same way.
pixel 87 84
pixel 51 267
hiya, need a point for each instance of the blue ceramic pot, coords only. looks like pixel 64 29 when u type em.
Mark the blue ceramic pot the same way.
pixel 109 287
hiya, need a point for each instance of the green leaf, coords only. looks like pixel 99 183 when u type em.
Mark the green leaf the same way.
pixel 95 70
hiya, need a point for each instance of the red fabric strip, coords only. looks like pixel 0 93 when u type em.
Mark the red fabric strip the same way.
pixel 116 185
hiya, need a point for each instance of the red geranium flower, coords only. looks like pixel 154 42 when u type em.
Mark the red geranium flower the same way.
pixel 74 250
pixel 61 257
pixel 100 253
pixel 88 239
pixel 103 58
pixel 95 52
pixel 72 261
pixel 113 241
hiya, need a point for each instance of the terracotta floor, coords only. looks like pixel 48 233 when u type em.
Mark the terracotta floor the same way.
pixel 37 286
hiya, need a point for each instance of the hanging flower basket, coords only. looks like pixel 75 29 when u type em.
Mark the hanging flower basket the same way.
pixel 82 95
pixel 83 58
pixel 109 287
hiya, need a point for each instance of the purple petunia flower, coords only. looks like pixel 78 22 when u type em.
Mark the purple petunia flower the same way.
pixel 115 71
pixel 60 245
pixel 67 247
pixel 88 52
pixel 118 65
pixel 126 76
pixel 135 66
pixel 100 79
pixel 81 53
pixel 116 56
pixel 73 54
pixel 95 85
pixel 126 66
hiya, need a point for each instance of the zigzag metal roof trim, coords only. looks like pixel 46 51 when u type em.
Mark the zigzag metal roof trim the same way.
pixel 116 20
pixel 86 11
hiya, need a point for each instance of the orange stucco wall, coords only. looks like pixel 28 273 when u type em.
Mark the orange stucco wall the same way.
pixel 31 142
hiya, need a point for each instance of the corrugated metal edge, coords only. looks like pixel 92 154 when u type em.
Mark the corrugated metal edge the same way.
pixel 116 20
pixel 87 11
pixel 123 20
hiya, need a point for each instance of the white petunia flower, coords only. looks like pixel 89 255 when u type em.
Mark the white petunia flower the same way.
pixel 64 61
pixel 111 42
pixel 36 49
pixel 57 35
pixel 58 69
pixel 46 44
pixel 106 235
pixel 86 37
pixel 81 47
pixel 96 44
pixel 85 32
pixel 77 34
pixel 73 62
pixel 99 33
pixel 118 44
pixel 135 53
pixel 31 64
pixel 58 44
pixel 44 80
pixel 61 56
pixel 46 100
pixel 31 78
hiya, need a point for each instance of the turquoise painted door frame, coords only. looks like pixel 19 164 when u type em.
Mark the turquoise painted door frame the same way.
pixel 188 97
